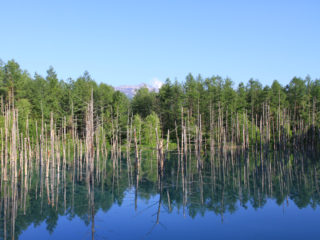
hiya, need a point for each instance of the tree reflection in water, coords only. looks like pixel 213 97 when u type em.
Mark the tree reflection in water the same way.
pixel 220 185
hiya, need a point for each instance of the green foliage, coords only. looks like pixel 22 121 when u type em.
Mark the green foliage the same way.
pixel 143 102
pixel 36 97
pixel 150 123
pixel 24 110
pixel 137 124
pixel 169 103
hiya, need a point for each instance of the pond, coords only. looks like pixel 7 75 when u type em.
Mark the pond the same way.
pixel 233 196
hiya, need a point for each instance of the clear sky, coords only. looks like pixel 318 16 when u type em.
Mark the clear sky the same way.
pixel 130 42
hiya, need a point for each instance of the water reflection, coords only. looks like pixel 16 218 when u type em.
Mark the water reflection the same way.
pixel 224 182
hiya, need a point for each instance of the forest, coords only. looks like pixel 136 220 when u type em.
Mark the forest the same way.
pixel 199 113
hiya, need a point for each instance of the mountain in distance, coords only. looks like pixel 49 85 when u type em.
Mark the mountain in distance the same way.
pixel 130 90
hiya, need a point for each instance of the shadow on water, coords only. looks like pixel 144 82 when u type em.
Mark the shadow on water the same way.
pixel 179 183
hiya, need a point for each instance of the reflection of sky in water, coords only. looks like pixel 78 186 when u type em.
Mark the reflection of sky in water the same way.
pixel 123 222
pixel 228 199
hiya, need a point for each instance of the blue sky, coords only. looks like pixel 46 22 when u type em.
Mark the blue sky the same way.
pixel 130 42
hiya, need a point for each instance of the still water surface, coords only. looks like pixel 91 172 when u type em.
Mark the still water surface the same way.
pixel 233 197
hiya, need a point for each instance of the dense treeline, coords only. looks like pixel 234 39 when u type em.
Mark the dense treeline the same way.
pixel 249 114
pixel 200 112
pixel 36 97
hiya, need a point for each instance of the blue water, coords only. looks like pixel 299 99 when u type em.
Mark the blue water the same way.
pixel 241 200
pixel 124 222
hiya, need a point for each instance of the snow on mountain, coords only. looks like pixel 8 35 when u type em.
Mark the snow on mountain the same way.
pixel 130 90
